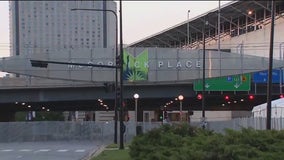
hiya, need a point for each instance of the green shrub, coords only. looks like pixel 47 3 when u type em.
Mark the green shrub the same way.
pixel 183 142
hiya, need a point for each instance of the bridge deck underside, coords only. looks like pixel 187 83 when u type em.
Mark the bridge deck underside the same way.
pixel 154 98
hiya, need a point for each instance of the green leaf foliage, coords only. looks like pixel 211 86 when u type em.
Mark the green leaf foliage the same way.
pixel 184 142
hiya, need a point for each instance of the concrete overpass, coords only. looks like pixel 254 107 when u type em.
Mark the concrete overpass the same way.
pixel 157 74
pixel 141 65
pixel 85 98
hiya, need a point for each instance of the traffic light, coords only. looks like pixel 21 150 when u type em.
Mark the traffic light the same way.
pixel 117 92
pixel 227 98
pixel 160 115
pixel 251 97
pixel 117 61
pixel 199 96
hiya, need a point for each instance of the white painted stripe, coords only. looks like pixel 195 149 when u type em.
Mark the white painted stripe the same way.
pixel 43 150
pixel 6 150
pixel 62 150
pixel 80 150
pixel 25 150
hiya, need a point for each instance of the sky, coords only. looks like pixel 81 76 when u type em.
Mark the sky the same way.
pixel 140 19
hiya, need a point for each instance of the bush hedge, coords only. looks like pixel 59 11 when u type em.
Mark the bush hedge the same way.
pixel 184 142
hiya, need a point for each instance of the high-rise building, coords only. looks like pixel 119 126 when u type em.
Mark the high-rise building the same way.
pixel 41 26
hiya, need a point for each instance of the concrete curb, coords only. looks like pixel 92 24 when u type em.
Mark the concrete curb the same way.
pixel 94 153
pixel 115 148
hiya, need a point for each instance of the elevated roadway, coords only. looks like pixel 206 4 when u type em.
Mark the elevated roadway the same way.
pixel 157 74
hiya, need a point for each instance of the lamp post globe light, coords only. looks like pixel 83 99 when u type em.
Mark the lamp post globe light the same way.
pixel 180 98
pixel 136 96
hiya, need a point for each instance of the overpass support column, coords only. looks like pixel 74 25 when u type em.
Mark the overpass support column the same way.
pixel 7 116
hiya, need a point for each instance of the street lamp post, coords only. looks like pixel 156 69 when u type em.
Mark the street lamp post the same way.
pixel 122 126
pixel 188 28
pixel 180 98
pixel 136 96
pixel 203 75
pixel 219 32
pixel 116 69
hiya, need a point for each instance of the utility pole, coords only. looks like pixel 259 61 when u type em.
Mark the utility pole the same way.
pixel 269 85
pixel 122 127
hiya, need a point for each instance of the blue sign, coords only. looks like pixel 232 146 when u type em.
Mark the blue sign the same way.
pixel 229 78
pixel 262 76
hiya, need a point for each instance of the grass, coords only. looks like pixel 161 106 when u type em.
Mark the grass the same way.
pixel 113 153
pixel 116 154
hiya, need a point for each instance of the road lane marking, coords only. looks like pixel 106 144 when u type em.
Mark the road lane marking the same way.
pixel 25 150
pixel 62 150
pixel 80 150
pixel 42 150
pixel 6 150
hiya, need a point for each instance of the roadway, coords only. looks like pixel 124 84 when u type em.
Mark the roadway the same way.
pixel 47 150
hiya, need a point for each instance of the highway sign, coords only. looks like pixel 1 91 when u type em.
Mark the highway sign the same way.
pixel 227 83
pixel 262 76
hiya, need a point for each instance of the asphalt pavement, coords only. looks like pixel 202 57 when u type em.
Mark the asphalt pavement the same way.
pixel 75 150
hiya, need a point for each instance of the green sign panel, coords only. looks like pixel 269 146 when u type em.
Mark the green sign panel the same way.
pixel 228 83
pixel 134 68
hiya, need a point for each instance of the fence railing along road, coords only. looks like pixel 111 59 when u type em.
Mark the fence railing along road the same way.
pixel 103 132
